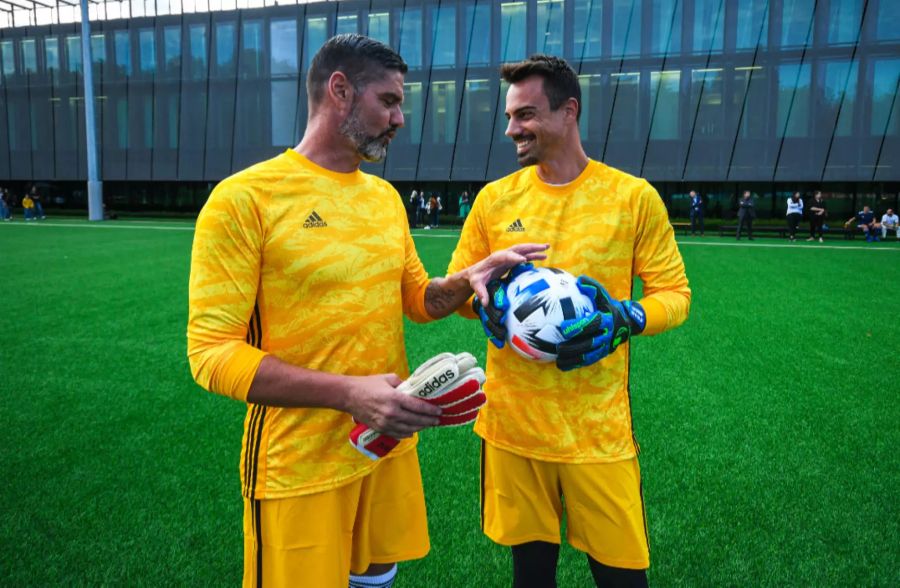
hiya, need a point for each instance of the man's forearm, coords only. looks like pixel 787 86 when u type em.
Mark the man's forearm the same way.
pixel 444 295
pixel 278 383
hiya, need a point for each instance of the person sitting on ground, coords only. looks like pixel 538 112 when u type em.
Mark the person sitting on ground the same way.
pixel 890 222
pixel 865 222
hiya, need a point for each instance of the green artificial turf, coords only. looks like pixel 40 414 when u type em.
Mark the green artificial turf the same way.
pixel 768 422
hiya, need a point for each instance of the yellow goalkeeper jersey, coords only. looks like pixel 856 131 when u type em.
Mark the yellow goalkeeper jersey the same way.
pixel 605 224
pixel 316 268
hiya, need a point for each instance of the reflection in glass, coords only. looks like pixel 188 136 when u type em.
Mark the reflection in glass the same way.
pixel 549 27
pixel 752 24
pixel 29 56
pixel 626 28
pixel 750 98
pixel 147 41
pixel 589 123
pixel 707 102
pixel 346 23
pixel 664 100
pixel 51 53
pixel 709 25
pixel 411 37
pixel 250 61
pixel 73 54
pixel 625 122
pixel 284 108
pixel 122 42
pixel 844 21
pixel 316 35
pixel 512 31
pixel 885 106
pixel 443 127
pixel 8 57
pixel 477 34
pixel 380 27
pixel 443 30
pixel 412 114
pixel 793 100
pixel 587 26
pixel 666 23
pixel 797 22
pixel 476 110
pixel 225 47
pixel 839 94
pixel 98 48
pixel 197 37
pixel 172 48
pixel 283 35
pixel 888 28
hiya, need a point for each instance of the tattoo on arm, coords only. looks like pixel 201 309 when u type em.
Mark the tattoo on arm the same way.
pixel 440 300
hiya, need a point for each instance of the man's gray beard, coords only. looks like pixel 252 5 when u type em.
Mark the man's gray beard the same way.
pixel 371 149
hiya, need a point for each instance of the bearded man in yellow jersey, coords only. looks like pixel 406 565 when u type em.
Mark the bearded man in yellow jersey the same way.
pixel 301 271
pixel 558 438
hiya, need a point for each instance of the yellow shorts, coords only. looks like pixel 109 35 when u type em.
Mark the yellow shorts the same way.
pixel 318 539
pixel 523 499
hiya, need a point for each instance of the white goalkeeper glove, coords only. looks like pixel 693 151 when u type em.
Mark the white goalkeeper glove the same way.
pixel 452 382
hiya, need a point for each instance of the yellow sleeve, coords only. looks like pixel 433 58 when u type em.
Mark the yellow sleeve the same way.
pixel 657 261
pixel 414 283
pixel 473 245
pixel 225 266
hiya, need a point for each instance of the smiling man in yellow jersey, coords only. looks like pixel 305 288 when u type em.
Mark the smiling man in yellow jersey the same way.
pixel 301 271
pixel 559 437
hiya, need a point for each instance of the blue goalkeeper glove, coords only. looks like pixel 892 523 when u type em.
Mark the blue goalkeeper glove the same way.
pixel 590 339
pixel 493 316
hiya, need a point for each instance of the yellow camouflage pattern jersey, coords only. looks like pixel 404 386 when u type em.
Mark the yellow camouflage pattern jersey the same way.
pixel 316 268
pixel 605 224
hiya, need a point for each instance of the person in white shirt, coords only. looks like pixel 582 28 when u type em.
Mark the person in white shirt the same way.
pixel 890 222
pixel 794 214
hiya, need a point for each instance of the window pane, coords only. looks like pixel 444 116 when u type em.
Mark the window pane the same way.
pixel 197 34
pixel 664 100
pixel 797 23
pixel 793 100
pixel 380 27
pixel 591 101
pixel 51 51
pixel 284 112
pixel 476 110
pixel 443 29
pixel 411 37
pixel 709 25
pixel 839 94
pixel 346 23
pixel 412 114
pixel 316 35
pixel 122 124
pixel 478 34
pixel 888 20
pixel 885 107
pixel 588 23
pixel 98 48
pixel 148 50
pixel 752 24
pixel 626 28
pixel 225 47
pixel 172 47
pixel 844 21
pixel 665 37
pixel 550 27
pixel 251 49
pixel 443 128
pixel 512 31
pixel 284 47
pixel 750 98
pixel 9 58
pixel 123 52
pixel 29 55
pixel 73 54
pixel 626 120
pixel 706 98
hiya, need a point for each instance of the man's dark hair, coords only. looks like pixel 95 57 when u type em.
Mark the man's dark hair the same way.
pixel 360 58
pixel 560 80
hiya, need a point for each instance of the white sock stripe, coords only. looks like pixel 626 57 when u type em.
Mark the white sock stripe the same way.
pixel 385 580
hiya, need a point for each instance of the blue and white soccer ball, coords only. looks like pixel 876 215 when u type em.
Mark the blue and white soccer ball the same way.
pixel 540 299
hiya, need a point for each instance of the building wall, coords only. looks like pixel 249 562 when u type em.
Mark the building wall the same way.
pixel 674 90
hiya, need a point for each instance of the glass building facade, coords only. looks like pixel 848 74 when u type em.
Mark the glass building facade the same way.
pixel 768 95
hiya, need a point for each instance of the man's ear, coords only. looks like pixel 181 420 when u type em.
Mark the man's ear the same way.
pixel 339 91
pixel 571 108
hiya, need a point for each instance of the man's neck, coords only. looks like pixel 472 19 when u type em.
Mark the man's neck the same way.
pixel 564 166
pixel 324 146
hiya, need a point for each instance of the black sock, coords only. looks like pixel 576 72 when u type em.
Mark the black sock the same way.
pixel 607 577
pixel 534 564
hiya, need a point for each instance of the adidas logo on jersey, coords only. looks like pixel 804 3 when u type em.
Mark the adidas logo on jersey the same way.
pixel 516 227
pixel 314 221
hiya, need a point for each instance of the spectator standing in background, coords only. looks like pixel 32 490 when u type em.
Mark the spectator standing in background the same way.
pixel 746 213
pixel 696 213
pixel 434 208
pixel 5 212
pixel 794 215
pixel 36 198
pixel 817 214
pixel 464 205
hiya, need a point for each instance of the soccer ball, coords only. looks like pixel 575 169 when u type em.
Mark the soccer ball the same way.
pixel 540 299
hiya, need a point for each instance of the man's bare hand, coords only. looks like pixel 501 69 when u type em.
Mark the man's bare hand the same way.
pixel 375 401
pixel 500 262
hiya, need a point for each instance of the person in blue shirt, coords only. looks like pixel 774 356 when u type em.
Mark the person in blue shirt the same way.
pixel 865 222
pixel 696 213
